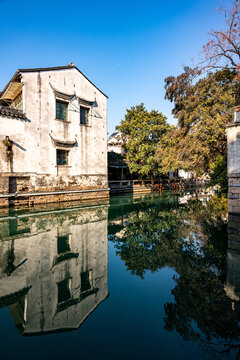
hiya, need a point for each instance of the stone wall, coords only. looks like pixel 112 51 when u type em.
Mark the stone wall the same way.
pixel 24 182
pixel 32 199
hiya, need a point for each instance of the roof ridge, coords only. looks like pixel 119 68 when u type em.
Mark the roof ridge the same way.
pixel 69 66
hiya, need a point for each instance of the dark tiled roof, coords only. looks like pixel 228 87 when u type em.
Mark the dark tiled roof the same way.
pixel 7 111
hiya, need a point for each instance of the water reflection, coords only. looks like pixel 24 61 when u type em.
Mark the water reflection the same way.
pixel 53 274
pixel 190 236
pixel 233 258
pixel 53 268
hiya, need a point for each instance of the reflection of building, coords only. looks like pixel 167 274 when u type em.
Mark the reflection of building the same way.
pixel 55 139
pixel 233 258
pixel 53 268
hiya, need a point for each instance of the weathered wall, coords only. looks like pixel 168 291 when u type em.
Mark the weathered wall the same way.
pixel 233 136
pixel 30 260
pixel 34 152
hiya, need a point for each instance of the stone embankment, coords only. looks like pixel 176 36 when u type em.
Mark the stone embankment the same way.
pixel 142 186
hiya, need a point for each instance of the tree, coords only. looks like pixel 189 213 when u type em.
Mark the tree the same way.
pixel 142 131
pixel 223 47
pixel 203 105
pixel 218 172
pixel 177 88
pixel 203 110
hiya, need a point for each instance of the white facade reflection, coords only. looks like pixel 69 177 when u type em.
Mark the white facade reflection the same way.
pixel 53 268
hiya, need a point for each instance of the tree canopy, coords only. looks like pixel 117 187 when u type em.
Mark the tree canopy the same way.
pixel 203 98
pixel 142 130
pixel 203 109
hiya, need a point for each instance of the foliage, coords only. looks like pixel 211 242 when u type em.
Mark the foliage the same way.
pixel 218 173
pixel 177 88
pixel 203 110
pixel 204 107
pixel 115 158
pixel 155 234
pixel 142 131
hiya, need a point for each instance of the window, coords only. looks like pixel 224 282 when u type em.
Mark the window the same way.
pixel 63 244
pixel 64 290
pixel 84 115
pixel 86 280
pixel 61 110
pixel 237 116
pixel 62 157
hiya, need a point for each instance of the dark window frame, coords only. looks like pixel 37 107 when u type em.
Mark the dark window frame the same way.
pixel 60 155
pixel 64 290
pixel 238 116
pixel 86 280
pixel 84 120
pixel 61 116
pixel 63 244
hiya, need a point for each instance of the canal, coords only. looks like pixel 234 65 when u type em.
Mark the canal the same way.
pixel 135 277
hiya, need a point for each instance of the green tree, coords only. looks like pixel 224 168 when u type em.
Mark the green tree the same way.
pixel 142 131
pixel 204 107
pixel 203 110
pixel 218 172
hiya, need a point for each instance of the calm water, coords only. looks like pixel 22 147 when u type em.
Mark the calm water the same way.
pixel 146 277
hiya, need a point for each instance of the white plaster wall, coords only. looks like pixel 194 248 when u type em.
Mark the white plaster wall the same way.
pixel 16 130
pixel 89 157
pixel 233 136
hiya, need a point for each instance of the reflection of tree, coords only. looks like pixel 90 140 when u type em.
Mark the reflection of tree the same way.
pixel 191 239
pixel 202 311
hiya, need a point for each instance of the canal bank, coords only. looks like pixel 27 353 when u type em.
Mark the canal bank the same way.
pixel 115 187
pixel 36 198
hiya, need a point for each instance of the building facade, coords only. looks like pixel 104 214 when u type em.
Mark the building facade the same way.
pixel 117 166
pixel 53 137
pixel 233 140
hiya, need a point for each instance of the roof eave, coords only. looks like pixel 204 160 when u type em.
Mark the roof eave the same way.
pixel 67 67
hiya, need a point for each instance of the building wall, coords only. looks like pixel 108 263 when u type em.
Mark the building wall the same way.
pixel 34 151
pixel 233 138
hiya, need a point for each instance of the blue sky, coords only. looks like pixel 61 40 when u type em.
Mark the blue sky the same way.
pixel 126 48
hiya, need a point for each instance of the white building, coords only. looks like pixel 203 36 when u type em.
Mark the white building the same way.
pixel 233 145
pixel 115 143
pixel 53 135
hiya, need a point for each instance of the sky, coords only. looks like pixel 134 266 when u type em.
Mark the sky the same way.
pixel 126 48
